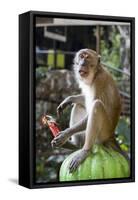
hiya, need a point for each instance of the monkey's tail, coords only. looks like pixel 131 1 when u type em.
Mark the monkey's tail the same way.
pixel 114 144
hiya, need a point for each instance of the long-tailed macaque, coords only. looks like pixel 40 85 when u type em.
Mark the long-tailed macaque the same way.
pixel 96 111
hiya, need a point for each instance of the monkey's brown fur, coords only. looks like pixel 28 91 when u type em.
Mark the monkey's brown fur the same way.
pixel 100 101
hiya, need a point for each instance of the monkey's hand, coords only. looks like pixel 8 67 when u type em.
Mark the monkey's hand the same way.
pixel 78 159
pixel 60 139
pixel 63 105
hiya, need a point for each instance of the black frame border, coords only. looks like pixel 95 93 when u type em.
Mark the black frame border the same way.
pixel 27 152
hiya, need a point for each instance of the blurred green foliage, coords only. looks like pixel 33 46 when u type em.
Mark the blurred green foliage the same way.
pixel 123 133
pixel 40 72
pixel 110 51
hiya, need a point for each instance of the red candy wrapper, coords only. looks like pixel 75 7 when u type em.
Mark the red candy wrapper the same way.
pixel 53 127
pixel 50 121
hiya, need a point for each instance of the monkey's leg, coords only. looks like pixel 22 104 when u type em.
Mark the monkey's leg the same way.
pixel 77 113
pixel 98 126
pixel 97 130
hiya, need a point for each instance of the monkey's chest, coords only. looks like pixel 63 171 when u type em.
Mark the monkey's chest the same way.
pixel 89 98
pixel 89 93
pixel 89 103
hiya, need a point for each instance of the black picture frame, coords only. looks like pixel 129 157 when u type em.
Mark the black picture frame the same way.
pixel 27 98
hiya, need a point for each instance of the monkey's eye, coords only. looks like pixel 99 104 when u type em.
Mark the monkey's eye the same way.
pixel 81 55
pixel 86 56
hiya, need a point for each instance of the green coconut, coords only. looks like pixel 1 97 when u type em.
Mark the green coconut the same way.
pixel 102 163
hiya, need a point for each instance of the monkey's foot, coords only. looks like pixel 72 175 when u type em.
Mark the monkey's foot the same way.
pixel 78 159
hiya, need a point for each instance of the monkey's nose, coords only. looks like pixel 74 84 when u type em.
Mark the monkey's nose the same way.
pixel 82 62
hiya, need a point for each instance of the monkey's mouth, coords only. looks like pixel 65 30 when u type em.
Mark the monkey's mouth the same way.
pixel 83 73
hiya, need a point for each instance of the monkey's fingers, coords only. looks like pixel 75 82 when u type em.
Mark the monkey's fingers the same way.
pixel 59 110
pixel 54 144
pixel 57 142
pixel 78 159
pixel 61 107
pixel 74 164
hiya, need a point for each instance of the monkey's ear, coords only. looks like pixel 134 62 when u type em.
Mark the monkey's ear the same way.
pixel 99 58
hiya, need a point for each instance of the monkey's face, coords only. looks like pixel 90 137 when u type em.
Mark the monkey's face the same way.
pixel 85 64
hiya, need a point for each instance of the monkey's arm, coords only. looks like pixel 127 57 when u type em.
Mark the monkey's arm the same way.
pixel 63 137
pixel 67 133
pixel 78 99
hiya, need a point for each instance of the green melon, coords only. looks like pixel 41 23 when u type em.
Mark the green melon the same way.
pixel 102 163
